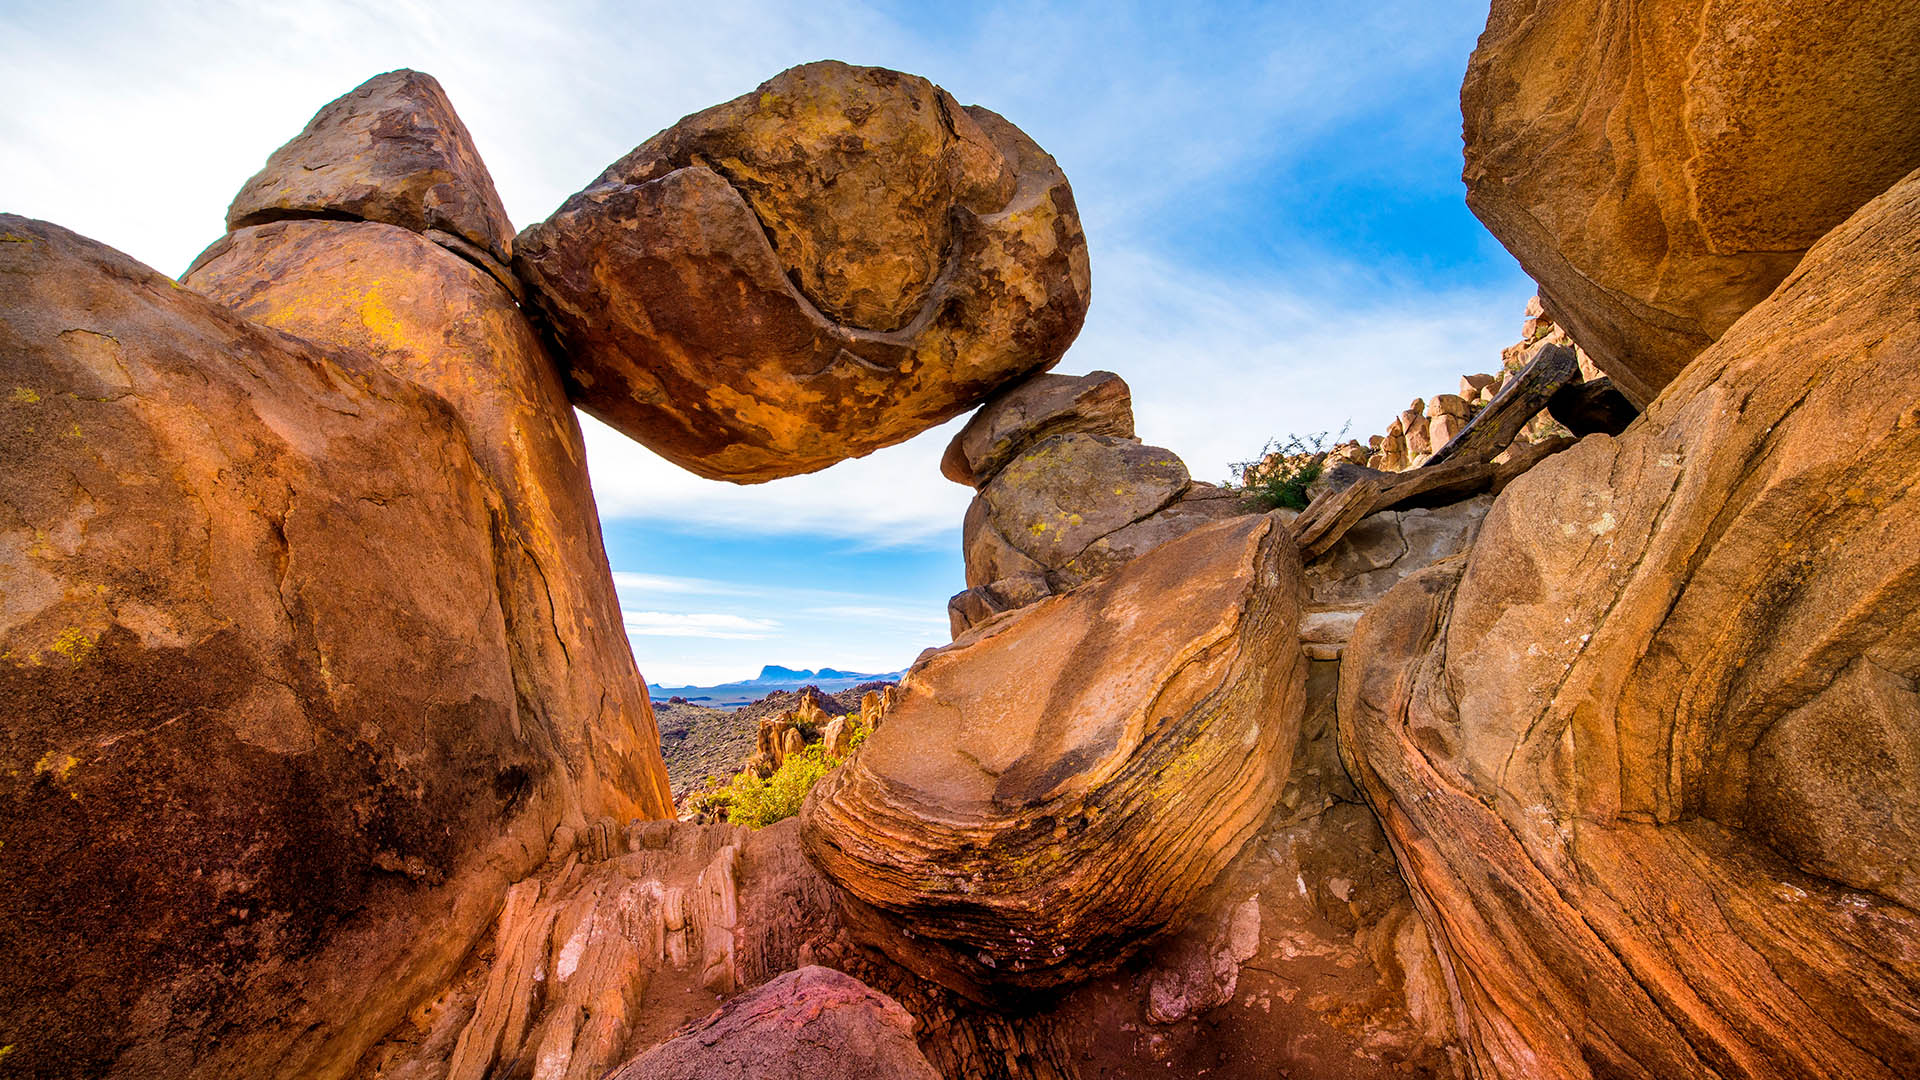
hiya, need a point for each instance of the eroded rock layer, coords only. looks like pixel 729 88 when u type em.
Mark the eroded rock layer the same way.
pixel 828 265
pixel 1647 757
pixel 1057 787
pixel 1658 166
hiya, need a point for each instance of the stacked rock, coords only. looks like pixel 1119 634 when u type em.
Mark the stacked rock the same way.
pixel 1066 492
pixel 1427 424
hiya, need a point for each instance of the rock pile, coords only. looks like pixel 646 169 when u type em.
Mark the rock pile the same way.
pixel 1066 493
pixel 1584 404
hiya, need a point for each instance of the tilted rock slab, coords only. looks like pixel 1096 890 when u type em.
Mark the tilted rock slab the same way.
pixel 804 1025
pixel 392 151
pixel 1649 757
pixel 272 754
pixel 828 265
pixel 1056 788
pixel 1658 166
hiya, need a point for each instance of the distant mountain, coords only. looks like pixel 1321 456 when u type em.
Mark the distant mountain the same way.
pixel 772 677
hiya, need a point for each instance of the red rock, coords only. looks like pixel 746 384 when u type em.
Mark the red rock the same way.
pixel 1658 166
pixel 804 1025
pixel 268 770
pixel 1057 787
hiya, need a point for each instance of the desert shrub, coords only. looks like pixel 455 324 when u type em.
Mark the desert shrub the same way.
pixel 757 803
pixel 1285 469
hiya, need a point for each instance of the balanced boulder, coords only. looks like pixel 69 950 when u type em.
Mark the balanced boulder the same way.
pixel 825 266
pixel 1055 788
pixel 1658 166
pixel 1648 756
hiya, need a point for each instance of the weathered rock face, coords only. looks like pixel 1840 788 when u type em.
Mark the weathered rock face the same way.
pixel 1067 493
pixel 626 934
pixel 806 1024
pixel 1097 403
pixel 1647 756
pixel 1658 166
pixel 263 723
pixel 1057 787
pixel 828 265
pixel 1070 490
pixel 392 151
pixel 433 319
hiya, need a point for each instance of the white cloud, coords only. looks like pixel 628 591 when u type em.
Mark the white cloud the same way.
pixel 698 625
pixel 677 586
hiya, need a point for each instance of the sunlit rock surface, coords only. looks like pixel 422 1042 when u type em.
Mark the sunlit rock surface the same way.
pixel 830 264
pixel 1648 755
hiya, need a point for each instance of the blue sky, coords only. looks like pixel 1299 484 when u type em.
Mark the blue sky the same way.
pixel 1270 191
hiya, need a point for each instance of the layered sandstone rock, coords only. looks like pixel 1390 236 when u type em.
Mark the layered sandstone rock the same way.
pixel 1658 166
pixel 806 1024
pixel 1647 755
pixel 271 761
pixel 825 266
pixel 1057 787
pixel 392 151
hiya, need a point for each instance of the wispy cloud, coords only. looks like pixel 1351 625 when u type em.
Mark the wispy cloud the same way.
pixel 699 625
pixel 677 586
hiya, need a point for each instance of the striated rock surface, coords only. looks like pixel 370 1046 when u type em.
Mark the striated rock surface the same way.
pixel 825 266
pixel 806 1024
pixel 261 673
pixel 1658 166
pixel 1057 787
pixel 1098 403
pixel 1646 756
pixel 392 151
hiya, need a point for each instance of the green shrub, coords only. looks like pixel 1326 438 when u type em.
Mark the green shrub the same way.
pixel 757 803
pixel 1285 469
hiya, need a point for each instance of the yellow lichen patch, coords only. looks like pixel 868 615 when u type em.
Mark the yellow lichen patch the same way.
pixel 55 763
pixel 75 644
pixel 26 395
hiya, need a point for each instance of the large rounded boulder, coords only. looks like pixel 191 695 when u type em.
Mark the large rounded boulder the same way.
pixel 825 266
pixel 1658 166
pixel 1058 786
